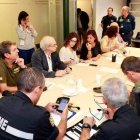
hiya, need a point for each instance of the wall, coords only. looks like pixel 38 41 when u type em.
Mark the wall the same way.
pixel 100 10
pixel 86 6
pixel 45 15
pixel 136 12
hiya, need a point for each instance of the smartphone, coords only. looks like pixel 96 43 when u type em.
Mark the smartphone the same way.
pixel 93 65
pixel 63 101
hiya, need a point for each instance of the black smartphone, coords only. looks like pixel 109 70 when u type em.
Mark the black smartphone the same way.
pixel 97 89
pixel 63 101
pixel 93 65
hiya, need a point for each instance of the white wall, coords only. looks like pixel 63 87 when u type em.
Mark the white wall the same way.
pixel 86 6
pixel 45 15
pixel 136 12
pixel 101 10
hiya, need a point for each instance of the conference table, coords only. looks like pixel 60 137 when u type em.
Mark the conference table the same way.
pixel 87 77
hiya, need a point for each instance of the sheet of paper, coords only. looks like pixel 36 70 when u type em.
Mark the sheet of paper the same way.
pixel 57 118
pixel 49 85
pixel 109 70
pixel 82 64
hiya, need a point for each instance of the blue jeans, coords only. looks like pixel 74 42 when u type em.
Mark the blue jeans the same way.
pixel 26 55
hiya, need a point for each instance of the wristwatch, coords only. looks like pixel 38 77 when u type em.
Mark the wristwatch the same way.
pixel 86 125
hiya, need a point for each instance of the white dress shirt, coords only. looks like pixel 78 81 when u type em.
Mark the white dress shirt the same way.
pixel 49 60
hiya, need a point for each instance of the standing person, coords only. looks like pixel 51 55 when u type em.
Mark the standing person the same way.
pixel 26 35
pixel 82 23
pixel 10 66
pixel 127 24
pixel 67 53
pixel 122 123
pixel 91 47
pixel 107 20
pixel 22 119
pixel 47 60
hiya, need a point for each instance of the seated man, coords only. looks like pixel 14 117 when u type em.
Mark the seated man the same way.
pixel 122 122
pixel 21 118
pixel 131 68
pixel 47 60
pixel 10 66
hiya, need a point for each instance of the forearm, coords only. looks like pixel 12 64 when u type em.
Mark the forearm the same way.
pixel 11 89
pixel 85 135
pixel 62 126
pixel 89 55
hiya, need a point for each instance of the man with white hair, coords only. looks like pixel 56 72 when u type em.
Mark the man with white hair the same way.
pixel 122 122
pixel 127 24
pixel 47 60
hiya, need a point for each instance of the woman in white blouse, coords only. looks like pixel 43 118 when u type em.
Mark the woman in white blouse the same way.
pixel 67 53
pixel 26 35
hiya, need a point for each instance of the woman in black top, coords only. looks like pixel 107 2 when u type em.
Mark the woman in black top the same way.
pixel 91 47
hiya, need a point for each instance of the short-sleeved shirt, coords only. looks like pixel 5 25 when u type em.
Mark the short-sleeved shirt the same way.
pixel 8 75
pixel 106 21
pixel 21 119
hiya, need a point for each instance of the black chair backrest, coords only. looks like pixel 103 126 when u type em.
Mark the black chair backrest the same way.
pixel 137 100
pixel 138 36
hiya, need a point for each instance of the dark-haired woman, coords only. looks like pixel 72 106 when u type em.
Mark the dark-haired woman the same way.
pixel 91 47
pixel 26 35
pixel 110 41
pixel 67 53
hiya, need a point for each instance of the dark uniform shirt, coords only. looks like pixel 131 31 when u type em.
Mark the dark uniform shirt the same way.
pixel 8 75
pixel 95 51
pixel 20 119
pixel 106 21
pixel 125 125
pixel 127 25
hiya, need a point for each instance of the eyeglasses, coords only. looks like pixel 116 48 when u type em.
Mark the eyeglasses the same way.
pixel 101 112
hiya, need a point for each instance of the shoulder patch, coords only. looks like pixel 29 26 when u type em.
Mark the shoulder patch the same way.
pixel 51 121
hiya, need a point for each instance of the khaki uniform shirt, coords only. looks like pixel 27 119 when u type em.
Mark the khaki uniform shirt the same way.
pixel 8 75
pixel 136 89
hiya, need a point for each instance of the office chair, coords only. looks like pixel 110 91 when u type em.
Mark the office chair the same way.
pixel 136 41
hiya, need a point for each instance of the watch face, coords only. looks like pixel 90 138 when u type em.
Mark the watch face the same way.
pixel 86 125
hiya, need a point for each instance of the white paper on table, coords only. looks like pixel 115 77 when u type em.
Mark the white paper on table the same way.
pixel 109 70
pixel 49 85
pixel 57 117
pixel 76 136
pixel 82 64
pixel 82 89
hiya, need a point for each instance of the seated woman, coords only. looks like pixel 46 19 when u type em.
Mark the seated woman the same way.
pixel 110 41
pixel 67 53
pixel 91 47
pixel 120 40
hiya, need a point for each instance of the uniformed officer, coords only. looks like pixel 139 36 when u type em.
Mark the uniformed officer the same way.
pixel 107 20
pixel 122 123
pixel 21 118
pixel 127 24
pixel 131 68
pixel 10 66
